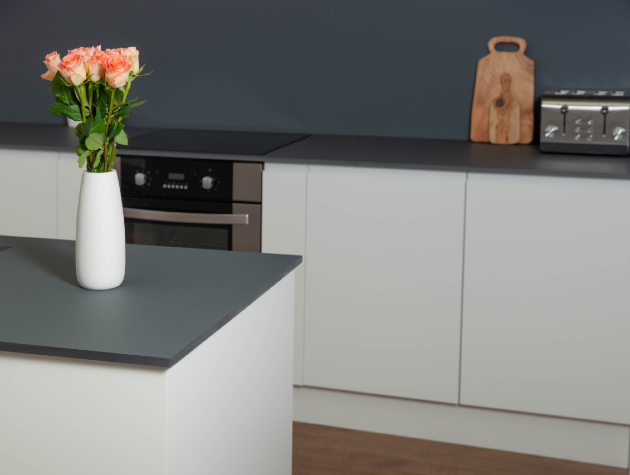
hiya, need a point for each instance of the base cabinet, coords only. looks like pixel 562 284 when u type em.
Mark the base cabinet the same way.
pixel 28 201
pixel 383 281
pixel 284 232
pixel 546 314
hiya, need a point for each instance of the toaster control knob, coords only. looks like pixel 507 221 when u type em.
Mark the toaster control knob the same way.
pixel 618 133
pixel 140 179
pixel 207 182
pixel 550 131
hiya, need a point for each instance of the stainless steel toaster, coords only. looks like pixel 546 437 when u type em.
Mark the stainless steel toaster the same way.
pixel 581 121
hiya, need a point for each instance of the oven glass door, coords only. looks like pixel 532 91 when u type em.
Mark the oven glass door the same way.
pixel 238 231
pixel 155 233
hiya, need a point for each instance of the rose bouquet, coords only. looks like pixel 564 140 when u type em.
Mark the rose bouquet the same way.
pixel 91 86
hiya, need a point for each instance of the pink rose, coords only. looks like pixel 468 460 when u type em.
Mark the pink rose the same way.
pixel 117 70
pixel 52 63
pixel 91 50
pixel 73 68
pixel 133 54
pixel 96 64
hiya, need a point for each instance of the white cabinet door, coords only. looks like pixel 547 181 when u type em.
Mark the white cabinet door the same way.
pixel 28 188
pixel 384 281
pixel 283 232
pixel 68 186
pixel 546 314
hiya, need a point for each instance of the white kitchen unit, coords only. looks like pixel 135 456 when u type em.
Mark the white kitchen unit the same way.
pixel 28 204
pixel 284 232
pixel 68 186
pixel 383 281
pixel 546 313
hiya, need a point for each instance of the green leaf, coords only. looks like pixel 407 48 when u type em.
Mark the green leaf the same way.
pixel 57 109
pixel 119 94
pixel 74 112
pixel 114 131
pixel 62 90
pixel 136 104
pixel 140 75
pixel 81 149
pixel 79 130
pixel 122 138
pixel 97 160
pixel 102 112
pixel 77 94
pixel 82 158
pixel 88 125
pixel 124 110
pixel 95 141
pixel 98 116
pixel 99 128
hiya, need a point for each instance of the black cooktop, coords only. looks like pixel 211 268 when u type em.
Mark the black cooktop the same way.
pixel 212 141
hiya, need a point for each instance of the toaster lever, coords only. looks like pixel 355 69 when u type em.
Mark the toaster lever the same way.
pixel 564 110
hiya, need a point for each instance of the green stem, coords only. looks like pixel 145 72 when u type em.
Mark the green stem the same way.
pixel 109 118
pixel 112 157
pixel 125 95
pixel 109 112
pixel 126 90
pixel 82 104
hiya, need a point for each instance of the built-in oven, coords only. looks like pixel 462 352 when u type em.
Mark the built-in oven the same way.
pixel 208 204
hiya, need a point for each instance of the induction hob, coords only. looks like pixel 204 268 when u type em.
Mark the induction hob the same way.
pixel 213 141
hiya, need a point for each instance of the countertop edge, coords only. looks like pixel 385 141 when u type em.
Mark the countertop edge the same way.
pixel 74 354
pixel 368 164
pixel 448 168
pixel 225 320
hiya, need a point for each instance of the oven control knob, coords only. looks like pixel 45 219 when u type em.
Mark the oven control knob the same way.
pixel 207 182
pixel 140 179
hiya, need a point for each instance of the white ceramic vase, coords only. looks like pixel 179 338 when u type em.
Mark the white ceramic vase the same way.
pixel 100 246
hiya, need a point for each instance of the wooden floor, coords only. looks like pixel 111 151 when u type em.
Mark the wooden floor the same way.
pixel 319 450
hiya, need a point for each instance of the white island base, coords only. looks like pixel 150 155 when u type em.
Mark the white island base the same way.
pixel 224 409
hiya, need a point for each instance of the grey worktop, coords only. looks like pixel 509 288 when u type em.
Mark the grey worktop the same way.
pixel 172 300
pixel 382 152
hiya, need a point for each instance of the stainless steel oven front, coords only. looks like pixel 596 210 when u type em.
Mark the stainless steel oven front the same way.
pixel 209 204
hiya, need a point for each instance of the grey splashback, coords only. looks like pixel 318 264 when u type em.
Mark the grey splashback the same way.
pixel 361 67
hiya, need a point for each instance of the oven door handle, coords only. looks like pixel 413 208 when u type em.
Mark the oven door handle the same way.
pixel 186 218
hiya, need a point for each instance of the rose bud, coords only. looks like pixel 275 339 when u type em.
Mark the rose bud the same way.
pixel 52 63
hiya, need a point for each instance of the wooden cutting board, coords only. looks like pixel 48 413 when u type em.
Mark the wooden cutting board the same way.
pixel 489 99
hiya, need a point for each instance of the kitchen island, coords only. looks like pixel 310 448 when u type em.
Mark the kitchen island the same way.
pixel 185 368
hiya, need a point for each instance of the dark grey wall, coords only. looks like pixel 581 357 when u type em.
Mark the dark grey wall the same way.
pixel 366 67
